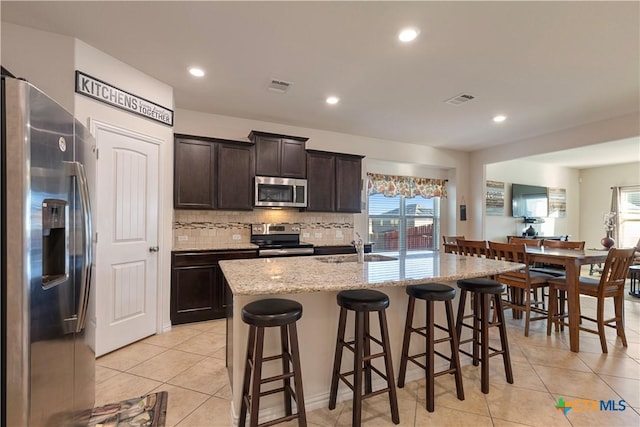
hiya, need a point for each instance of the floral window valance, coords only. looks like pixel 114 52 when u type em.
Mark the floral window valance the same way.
pixel 407 186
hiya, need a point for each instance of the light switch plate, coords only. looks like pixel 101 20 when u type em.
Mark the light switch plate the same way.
pixel 183 238
pixel 236 237
pixel 305 234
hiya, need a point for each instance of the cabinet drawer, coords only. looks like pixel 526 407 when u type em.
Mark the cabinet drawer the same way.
pixel 190 259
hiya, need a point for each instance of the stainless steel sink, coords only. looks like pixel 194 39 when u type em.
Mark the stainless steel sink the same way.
pixel 354 258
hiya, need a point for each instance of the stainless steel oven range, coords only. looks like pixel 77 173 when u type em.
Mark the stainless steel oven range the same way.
pixel 279 240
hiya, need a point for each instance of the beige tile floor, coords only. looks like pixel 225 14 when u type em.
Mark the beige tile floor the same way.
pixel 188 362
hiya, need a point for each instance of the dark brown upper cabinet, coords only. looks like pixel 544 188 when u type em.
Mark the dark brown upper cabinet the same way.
pixel 334 182
pixel 279 155
pixel 194 183
pixel 321 181
pixel 211 173
pixel 235 176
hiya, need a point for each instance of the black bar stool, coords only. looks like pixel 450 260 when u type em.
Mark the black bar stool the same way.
pixel 264 314
pixel 363 302
pixel 484 290
pixel 430 293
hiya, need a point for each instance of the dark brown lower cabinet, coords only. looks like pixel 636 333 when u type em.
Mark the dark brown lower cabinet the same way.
pixel 198 288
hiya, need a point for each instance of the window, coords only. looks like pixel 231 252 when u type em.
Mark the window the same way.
pixel 402 225
pixel 629 220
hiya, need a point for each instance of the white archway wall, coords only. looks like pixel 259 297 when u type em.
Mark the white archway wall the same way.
pixel 614 129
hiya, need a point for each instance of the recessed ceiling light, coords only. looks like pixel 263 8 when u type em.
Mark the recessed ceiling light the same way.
pixel 196 72
pixel 499 118
pixel 333 100
pixel 408 34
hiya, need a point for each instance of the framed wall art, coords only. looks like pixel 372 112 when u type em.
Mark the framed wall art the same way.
pixel 495 198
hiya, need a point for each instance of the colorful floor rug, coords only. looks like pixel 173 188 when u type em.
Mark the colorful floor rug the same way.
pixel 145 411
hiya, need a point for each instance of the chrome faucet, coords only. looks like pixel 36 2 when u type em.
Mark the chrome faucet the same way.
pixel 359 245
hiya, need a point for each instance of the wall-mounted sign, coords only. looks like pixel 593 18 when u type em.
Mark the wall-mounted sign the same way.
pixel 495 198
pixel 104 92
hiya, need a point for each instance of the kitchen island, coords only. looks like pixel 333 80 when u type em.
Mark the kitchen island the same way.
pixel 314 282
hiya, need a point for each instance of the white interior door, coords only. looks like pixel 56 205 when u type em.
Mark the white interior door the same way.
pixel 126 215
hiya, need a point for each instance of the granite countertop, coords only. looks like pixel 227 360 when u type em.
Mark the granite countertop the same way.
pixel 272 276
pixel 222 246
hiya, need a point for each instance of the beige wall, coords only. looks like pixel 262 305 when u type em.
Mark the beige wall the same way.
pixel 44 59
pixel 593 133
pixel 523 172
pixel 595 197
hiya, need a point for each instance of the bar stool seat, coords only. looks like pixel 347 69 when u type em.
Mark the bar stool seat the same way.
pixel 484 290
pixel 362 302
pixel 431 293
pixel 272 312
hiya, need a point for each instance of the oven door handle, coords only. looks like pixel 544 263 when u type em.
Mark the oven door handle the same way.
pixel 282 252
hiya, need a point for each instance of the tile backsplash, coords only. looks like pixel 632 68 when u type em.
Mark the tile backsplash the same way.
pixel 204 228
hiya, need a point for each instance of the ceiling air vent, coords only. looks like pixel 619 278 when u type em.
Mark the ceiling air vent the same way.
pixel 460 99
pixel 279 86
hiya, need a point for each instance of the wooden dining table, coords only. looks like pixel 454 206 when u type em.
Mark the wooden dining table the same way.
pixel 572 261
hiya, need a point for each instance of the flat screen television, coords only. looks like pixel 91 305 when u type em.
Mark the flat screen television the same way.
pixel 529 201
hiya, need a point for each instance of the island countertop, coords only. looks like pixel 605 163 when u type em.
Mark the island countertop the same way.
pixel 290 275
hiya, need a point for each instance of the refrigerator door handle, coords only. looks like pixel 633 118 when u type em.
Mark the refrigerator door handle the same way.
pixel 77 170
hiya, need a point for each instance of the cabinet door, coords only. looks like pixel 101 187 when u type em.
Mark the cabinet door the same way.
pixel 321 181
pixel 194 174
pixel 198 287
pixel 235 176
pixel 268 156
pixel 193 294
pixel 348 187
pixel 293 159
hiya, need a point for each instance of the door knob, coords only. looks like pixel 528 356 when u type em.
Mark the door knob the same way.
pixel 154 249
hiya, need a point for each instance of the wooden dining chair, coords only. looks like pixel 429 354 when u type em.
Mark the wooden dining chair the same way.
pixel 556 270
pixel 532 243
pixel 522 283
pixel 477 248
pixel 553 269
pixel 610 285
pixel 451 239
pixel 451 243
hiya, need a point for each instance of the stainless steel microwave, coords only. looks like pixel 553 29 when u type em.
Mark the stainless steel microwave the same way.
pixel 273 192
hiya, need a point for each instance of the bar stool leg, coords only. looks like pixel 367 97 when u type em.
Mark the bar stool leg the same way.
pixel 342 323
pixel 367 352
pixel 284 342
pixel 455 356
pixel 405 341
pixel 430 357
pixel 502 328
pixel 297 378
pixel 393 397
pixel 460 317
pixel 247 376
pixel 477 302
pixel 484 347
pixel 257 375
pixel 357 368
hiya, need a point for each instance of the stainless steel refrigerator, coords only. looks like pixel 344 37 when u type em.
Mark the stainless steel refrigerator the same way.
pixel 47 358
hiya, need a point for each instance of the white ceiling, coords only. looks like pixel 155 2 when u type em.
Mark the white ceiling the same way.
pixel 546 65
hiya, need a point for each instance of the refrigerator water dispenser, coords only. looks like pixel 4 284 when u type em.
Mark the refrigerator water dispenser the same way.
pixel 55 267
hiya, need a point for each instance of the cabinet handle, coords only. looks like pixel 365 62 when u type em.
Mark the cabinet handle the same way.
pixel 154 249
